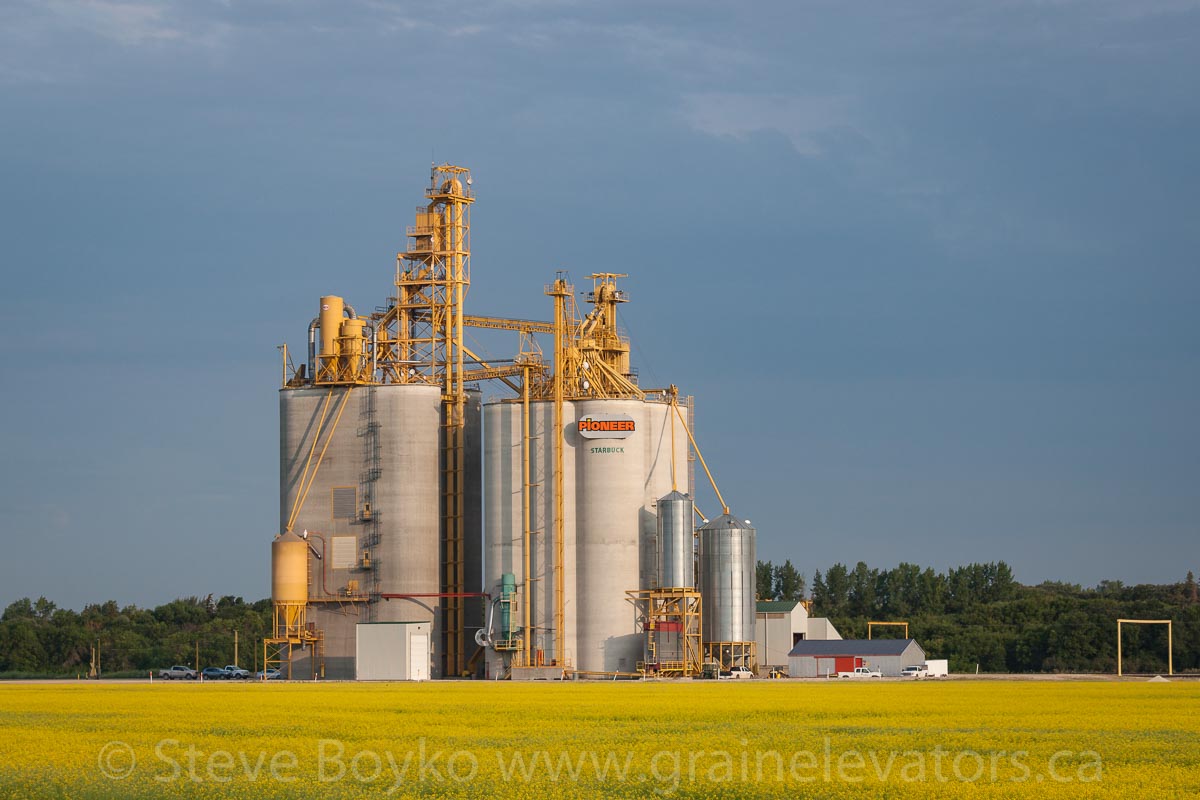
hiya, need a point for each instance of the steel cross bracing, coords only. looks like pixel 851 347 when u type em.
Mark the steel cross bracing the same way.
pixel 420 340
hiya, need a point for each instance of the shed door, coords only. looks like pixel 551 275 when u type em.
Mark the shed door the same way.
pixel 418 657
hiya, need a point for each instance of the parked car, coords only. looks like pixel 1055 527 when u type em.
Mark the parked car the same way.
pixel 737 673
pixel 234 672
pixel 268 675
pixel 213 674
pixel 177 672
pixel 917 672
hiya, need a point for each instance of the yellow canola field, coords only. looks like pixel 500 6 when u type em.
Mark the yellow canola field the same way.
pixel 952 739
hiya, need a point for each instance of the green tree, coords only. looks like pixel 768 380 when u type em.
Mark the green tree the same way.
pixel 837 590
pixel 789 582
pixel 820 594
pixel 19 609
pixel 764 588
pixel 20 649
pixel 862 590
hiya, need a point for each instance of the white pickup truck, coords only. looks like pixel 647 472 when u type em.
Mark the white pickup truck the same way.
pixel 861 672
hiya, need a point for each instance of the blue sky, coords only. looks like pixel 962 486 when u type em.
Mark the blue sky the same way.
pixel 930 268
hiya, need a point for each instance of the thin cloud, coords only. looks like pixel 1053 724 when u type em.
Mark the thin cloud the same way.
pixel 125 23
pixel 806 122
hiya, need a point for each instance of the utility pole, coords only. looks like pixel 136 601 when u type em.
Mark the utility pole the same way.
pixel 197 655
pixel 235 648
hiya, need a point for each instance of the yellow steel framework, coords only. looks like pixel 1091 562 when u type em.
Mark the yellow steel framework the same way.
pixel 289 629
pixel 346 352
pixel 591 355
pixel 661 612
pixel 292 632
pixel 1170 643
pixel 591 360
pixel 872 625
pixel 419 339
pixel 732 654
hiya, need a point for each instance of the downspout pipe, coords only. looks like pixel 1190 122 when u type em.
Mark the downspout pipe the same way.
pixel 312 348
pixel 374 344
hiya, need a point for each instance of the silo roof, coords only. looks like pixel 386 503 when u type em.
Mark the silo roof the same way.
pixel 726 521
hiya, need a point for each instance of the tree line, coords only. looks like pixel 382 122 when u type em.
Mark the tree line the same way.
pixel 38 638
pixel 972 615
pixel 979 615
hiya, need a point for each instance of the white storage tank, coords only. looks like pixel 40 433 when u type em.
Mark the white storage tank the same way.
pixel 611 474
pixel 617 462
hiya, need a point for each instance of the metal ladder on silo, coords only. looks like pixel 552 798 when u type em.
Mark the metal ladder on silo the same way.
pixel 371 472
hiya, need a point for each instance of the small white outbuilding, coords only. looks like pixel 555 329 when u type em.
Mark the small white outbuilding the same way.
pixel 392 651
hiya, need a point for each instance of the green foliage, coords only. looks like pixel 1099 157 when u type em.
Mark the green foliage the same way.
pixel 38 638
pixel 978 615
pixel 764 574
pixel 778 583
pixel 973 615
pixel 788 582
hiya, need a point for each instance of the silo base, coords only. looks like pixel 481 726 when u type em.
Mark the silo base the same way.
pixel 732 654
pixel 539 674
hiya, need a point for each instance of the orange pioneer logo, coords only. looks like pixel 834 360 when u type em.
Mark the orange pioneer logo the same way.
pixel 597 425
pixel 606 427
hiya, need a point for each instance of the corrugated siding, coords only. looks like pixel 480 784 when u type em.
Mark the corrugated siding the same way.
pixel 345 502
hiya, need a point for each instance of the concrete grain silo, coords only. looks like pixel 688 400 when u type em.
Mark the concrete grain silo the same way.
pixel 587 562
pixel 380 457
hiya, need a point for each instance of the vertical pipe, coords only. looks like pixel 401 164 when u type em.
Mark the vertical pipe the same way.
pixel 525 637
pixel 450 405
pixel 374 352
pixel 312 348
pixel 449 473
pixel 559 365
pixel 460 466
pixel 671 423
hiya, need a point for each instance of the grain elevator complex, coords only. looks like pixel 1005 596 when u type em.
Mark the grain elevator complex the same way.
pixel 547 533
